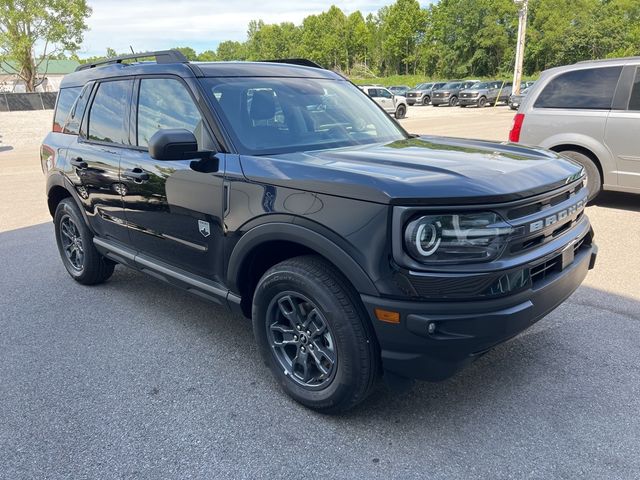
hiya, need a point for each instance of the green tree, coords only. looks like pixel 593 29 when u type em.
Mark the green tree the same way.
pixel 231 50
pixel 188 52
pixel 207 56
pixel 57 25
pixel 403 29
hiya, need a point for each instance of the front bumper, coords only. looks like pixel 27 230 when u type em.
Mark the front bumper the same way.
pixel 468 101
pixel 466 329
pixel 440 100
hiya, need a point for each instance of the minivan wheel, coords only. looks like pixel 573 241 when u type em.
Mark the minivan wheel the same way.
pixel 426 100
pixel 401 111
pixel 482 102
pixel 594 179
pixel 313 334
pixel 453 101
pixel 75 244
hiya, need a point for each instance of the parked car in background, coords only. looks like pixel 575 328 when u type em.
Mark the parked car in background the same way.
pixel 421 95
pixel 400 90
pixel 516 100
pixel 392 104
pixel 590 112
pixel 449 93
pixel 485 93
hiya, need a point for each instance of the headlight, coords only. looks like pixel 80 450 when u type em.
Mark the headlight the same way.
pixel 474 94
pixel 464 238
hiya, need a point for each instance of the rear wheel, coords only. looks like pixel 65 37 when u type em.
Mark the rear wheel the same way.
pixel 482 102
pixel 401 111
pixel 313 334
pixel 453 101
pixel 75 244
pixel 594 179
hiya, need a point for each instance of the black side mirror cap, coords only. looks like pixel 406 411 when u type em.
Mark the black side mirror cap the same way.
pixel 174 144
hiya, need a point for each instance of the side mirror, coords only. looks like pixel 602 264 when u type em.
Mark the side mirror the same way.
pixel 174 144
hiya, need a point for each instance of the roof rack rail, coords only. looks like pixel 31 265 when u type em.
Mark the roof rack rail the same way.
pixel 161 56
pixel 295 61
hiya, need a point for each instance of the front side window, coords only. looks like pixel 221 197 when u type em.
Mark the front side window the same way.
pixel 590 89
pixel 268 115
pixel 634 101
pixel 166 103
pixel 109 110
pixel 385 93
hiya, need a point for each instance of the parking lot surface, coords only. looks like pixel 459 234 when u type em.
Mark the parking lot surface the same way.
pixel 134 379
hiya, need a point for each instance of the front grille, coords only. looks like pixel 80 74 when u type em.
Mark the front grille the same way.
pixel 544 270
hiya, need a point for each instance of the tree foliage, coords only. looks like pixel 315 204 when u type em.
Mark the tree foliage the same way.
pixel 450 38
pixel 35 31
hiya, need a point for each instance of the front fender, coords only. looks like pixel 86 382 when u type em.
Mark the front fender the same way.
pixel 280 231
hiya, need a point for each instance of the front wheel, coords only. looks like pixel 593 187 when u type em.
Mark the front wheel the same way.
pixel 426 100
pixel 401 111
pixel 482 102
pixel 313 334
pixel 453 101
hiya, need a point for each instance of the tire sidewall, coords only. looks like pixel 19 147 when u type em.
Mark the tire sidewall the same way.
pixel 426 100
pixel 278 281
pixel 482 102
pixel 453 101
pixel 401 111
pixel 593 174
pixel 65 209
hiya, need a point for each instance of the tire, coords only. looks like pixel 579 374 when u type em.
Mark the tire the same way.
pixel 482 102
pixel 285 298
pixel 401 111
pixel 453 101
pixel 425 100
pixel 594 179
pixel 75 245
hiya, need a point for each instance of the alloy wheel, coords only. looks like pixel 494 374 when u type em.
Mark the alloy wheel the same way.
pixel 301 340
pixel 71 243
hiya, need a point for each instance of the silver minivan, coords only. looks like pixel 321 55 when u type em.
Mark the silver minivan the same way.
pixel 590 112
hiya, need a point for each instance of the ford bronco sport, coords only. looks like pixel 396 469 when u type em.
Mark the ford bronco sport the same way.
pixel 282 192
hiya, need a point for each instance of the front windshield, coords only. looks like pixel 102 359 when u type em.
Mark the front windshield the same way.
pixel 479 86
pixel 424 86
pixel 452 85
pixel 268 115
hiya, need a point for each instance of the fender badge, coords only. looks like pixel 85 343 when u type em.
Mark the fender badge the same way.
pixel 204 228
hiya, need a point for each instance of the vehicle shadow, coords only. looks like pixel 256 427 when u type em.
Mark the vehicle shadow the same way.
pixel 570 379
pixel 618 200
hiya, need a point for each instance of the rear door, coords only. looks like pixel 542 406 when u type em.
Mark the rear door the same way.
pixel 622 135
pixel 95 157
pixel 383 98
pixel 174 208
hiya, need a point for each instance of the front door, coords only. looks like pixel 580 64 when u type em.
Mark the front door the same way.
pixel 95 157
pixel 174 209
pixel 622 137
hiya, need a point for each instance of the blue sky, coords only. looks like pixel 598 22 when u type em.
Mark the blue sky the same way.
pixel 201 24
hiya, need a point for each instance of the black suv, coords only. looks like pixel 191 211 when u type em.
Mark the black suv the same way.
pixel 281 191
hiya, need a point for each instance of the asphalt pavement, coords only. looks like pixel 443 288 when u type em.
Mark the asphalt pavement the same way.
pixel 134 379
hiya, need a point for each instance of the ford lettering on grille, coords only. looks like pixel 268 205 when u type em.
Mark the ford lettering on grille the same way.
pixel 556 217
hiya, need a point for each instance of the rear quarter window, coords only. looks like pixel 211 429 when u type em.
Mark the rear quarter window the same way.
pixel 634 101
pixel 66 99
pixel 586 89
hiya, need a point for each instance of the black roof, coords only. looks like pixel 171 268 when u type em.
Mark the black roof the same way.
pixel 197 69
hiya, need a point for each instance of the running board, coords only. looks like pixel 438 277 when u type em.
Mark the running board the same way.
pixel 200 286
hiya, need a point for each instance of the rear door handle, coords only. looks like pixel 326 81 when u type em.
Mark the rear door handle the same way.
pixel 78 163
pixel 137 175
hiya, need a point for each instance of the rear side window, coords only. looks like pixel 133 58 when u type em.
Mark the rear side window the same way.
pixel 72 124
pixel 109 111
pixel 589 89
pixel 166 103
pixel 634 101
pixel 66 99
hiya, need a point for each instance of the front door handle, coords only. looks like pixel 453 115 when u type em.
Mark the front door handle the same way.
pixel 137 175
pixel 78 163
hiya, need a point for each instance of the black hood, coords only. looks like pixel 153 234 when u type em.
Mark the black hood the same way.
pixel 424 170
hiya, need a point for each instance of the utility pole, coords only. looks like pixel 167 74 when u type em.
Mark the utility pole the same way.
pixel 522 31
